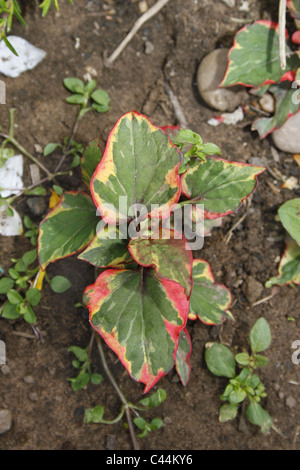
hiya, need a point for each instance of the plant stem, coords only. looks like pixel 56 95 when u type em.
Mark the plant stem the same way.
pixel 75 127
pixel 120 394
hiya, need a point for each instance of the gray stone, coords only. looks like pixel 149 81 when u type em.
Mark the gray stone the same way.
pixel 33 396
pixel 37 205
pixel 287 137
pixel 5 369
pixel 28 379
pixel 291 402
pixel 210 73
pixel 5 421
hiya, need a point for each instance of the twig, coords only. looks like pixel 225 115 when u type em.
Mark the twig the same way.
pixel 75 127
pixel 230 232
pixel 177 108
pixel 137 25
pixel 282 22
pixel 121 396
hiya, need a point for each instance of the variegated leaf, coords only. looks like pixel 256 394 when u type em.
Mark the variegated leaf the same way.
pixel 182 363
pixel 254 57
pixel 67 228
pixel 170 256
pixel 107 249
pixel 209 301
pixel 289 266
pixel 220 185
pixel 140 317
pixel 139 164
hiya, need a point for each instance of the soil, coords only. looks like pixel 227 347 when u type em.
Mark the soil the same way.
pixel 46 413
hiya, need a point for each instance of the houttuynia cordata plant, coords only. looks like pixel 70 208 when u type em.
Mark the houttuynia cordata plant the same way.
pixel 149 283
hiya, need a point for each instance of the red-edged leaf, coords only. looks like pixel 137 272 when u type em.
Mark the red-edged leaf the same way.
pixel 296 37
pixel 140 164
pixel 220 185
pixel 209 301
pixel 254 57
pixel 289 267
pixel 168 252
pixel 294 7
pixel 286 107
pixel 182 364
pixel 140 317
pixel 67 229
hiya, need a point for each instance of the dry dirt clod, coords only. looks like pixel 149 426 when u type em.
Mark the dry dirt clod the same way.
pixel 5 421
pixel 252 289
pixel 287 137
pixel 210 73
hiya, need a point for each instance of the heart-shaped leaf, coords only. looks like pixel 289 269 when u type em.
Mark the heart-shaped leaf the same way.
pixel 220 185
pixel 140 165
pixel 209 301
pixel 140 317
pixel 182 364
pixel 67 228
pixel 170 256
pixel 254 57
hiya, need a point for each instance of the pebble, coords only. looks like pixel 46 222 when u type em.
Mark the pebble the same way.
pixel 5 369
pixel 37 205
pixel 290 402
pixel 287 137
pixel 252 289
pixel 267 103
pixel 149 47
pixel 28 379
pixel 33 396
pixel 210 73
pixel 5 421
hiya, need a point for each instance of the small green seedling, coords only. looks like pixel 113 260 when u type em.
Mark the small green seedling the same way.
pixel 87 94
pixel 83 364
pixel 245 385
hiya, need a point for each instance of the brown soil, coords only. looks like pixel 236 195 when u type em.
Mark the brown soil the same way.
pixel 47 414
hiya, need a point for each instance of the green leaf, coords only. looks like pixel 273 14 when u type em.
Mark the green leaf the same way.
pixel 37 191
pixel 96 379
pixel 76 99
pixel 140 164
pixel 139 316
pixel 289 214
pixel 91 157
pixel 66 229
pixel 155 399
pixel 219 185
pixel 107 249
pixel 260 336
pixel 60 284
pixel 29 316
pixel 81 354
pixel 227 412
pixel 220 360
pixel 171 257
pixel 75 161
pixel 14 297
pixel 90 86
pixel 74 85
pixel 29 257
pixel 285 108
pixel 50 148
pixel 253 381
pixel 6 284
pixel 33 296
pixel 94 415
pixel 289 266
pixel 254 58
pixel 257 415
pixel 187 136
pixel 80 381
pixel 209 301
pixel 210 149
pixel 261 361
pixel 243 359
pixel 10 311
pixel 237 396
pixel 182 362
pixel 243 375
pixel 101 97
pixel 58 189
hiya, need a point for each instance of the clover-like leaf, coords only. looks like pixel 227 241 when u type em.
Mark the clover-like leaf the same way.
pixel 220 185
pixel 254 57
pixel 139 164
pixel 140 317
pixel 67 228
pixel 209 301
